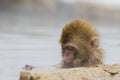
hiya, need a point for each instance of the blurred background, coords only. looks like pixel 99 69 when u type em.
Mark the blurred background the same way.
pixel 30 31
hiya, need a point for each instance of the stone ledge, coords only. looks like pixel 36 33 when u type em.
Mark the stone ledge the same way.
pixel 101 72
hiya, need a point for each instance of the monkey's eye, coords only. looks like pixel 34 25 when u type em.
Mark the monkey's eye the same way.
pixel 69 48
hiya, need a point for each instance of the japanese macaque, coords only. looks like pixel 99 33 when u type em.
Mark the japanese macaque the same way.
pixel 80 45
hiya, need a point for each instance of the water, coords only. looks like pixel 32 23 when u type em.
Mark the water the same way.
pixel 110 41
pixel 40 47
pixel 18 49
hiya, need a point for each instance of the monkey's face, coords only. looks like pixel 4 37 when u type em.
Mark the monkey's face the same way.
pixel 69 50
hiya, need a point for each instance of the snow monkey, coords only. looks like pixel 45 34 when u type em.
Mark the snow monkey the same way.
pixel 80 45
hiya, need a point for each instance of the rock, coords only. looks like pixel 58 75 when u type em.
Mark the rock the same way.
pixel 101 72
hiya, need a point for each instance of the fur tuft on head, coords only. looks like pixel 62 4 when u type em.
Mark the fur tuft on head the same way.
pixel 78 30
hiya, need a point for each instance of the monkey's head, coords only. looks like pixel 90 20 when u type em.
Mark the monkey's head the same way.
pixel 78 41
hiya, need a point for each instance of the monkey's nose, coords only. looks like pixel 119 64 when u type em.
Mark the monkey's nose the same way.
pixel 67 53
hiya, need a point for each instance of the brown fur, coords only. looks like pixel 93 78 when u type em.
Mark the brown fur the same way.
pixel 81 33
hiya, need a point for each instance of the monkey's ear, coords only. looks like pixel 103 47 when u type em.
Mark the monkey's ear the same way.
pixel 94 42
